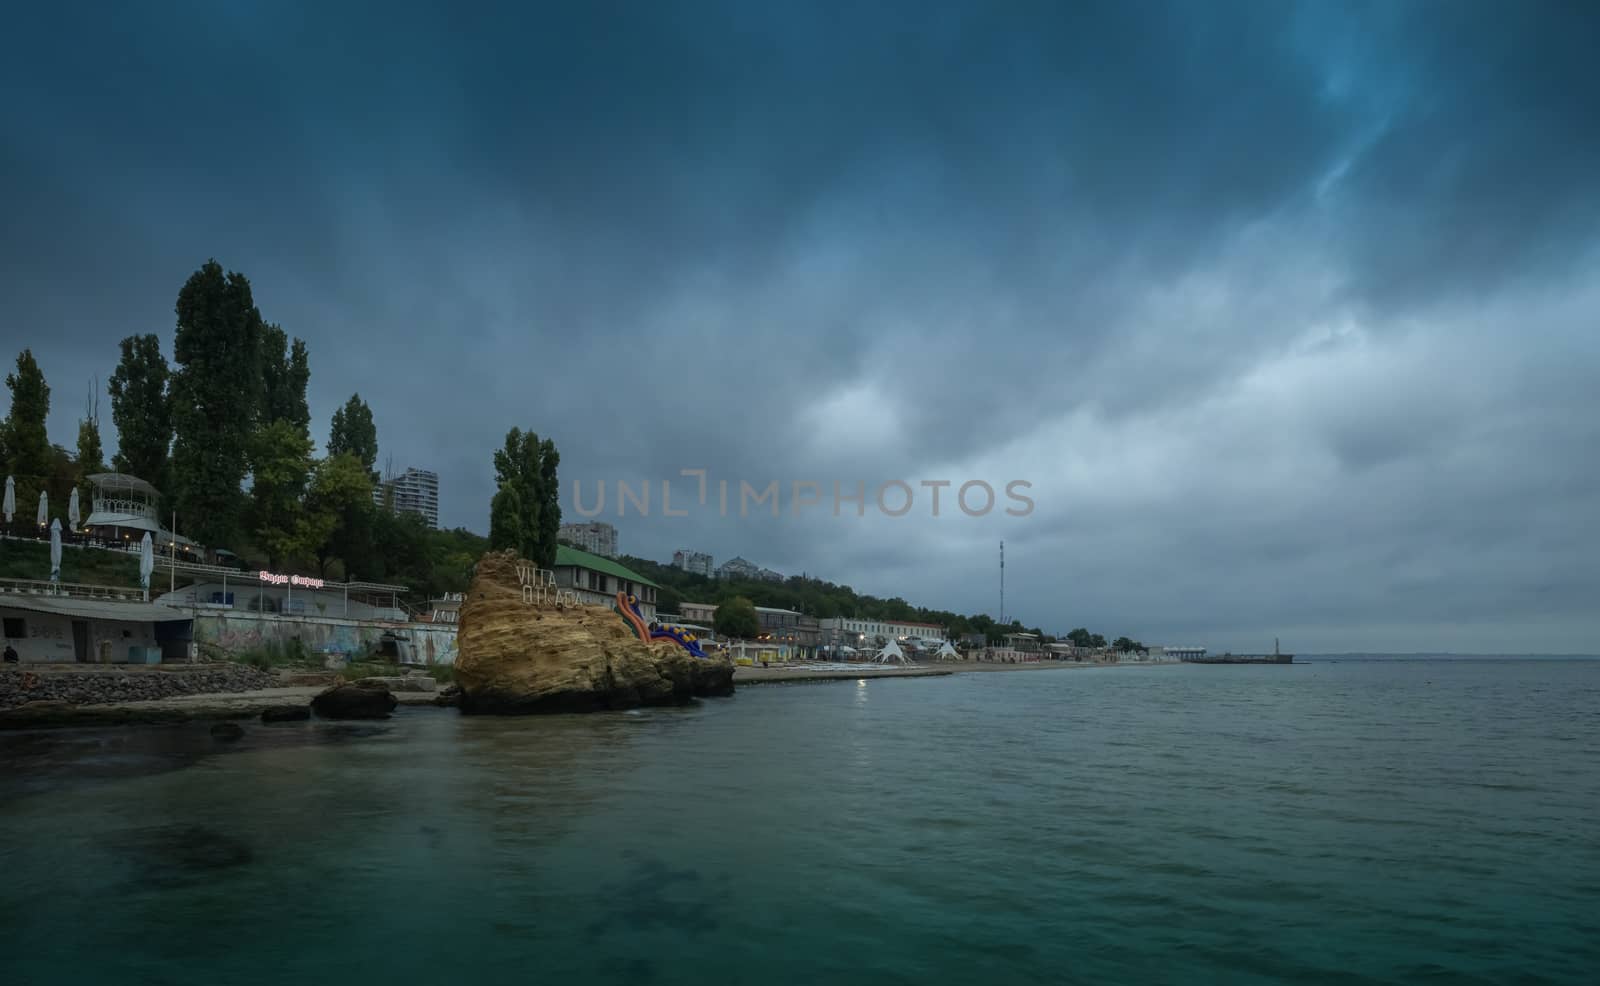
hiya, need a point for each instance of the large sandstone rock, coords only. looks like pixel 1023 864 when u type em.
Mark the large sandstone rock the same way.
pixel 514 657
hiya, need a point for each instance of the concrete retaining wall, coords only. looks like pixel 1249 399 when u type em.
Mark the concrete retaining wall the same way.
pixel 233 631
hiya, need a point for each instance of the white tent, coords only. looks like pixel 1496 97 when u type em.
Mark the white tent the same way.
pixel 947 652
pixel 55 551
pixel 147 563
pixel 10 507
pixel 892 654
pixel 44 509
pixel 72 511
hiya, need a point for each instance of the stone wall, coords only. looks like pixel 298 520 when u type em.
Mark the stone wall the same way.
pixel 20 685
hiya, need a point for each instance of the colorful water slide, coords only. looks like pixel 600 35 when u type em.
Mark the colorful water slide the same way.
pixel 628 606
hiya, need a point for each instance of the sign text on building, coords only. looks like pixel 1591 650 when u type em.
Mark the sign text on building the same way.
pixel 303 581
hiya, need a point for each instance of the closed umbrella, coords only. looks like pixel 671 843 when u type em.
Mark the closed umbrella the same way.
pixel 11 498
pixel 72 510
pixel 44 509
pixel 147 564
pixel 55 551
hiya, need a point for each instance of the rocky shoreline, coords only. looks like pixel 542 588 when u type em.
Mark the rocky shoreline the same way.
pixel 108 686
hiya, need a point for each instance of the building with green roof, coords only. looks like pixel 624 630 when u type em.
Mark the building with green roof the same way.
pixel 597 580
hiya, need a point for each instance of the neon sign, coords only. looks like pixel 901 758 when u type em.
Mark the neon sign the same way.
pixel 303 581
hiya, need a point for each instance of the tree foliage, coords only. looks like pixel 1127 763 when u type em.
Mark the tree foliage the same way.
pixel 30 458
pixel 354 432
pixel 141 409
pixel 737 618
pixel 505 521
pixel 337 519
pixel 285 372
pixel 526 467
pixel 91 457
pixel 216 393
pixel 281 464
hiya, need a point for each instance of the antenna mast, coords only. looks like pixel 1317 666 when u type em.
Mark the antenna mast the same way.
pixel 1002 583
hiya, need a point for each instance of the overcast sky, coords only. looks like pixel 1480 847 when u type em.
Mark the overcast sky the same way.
pixel 1287 313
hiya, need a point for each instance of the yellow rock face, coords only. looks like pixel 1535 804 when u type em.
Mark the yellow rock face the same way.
pixel 516 657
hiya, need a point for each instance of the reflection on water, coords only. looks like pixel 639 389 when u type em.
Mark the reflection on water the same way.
pixel 1350 823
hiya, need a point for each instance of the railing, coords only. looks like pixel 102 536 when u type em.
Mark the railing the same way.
pixel 75 590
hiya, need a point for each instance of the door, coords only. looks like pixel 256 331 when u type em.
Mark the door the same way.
pixel 80 640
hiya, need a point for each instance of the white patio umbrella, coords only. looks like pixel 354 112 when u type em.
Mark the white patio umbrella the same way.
pixel 55 551
pixel 44 509
pixel 72 510
pixel 10 506
pixel 147 563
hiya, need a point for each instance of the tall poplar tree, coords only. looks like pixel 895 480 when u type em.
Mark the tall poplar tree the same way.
pixel 216 394
pixel 29 457
pixel 141 409
pixel 526 468
pixel 354 432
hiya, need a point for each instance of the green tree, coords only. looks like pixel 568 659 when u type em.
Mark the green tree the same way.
pixel 141 409
pixel 337 519
pixel 549 502
pixel 285 371
pixel 737 618
pixel 91 457
pixel 30 459
pixel 1097 641
pixel 216 395
pixel 1124 644
pixel 354 432
pixel 281 464
pixel 505 521
pixel 527 466
pixel 1081 637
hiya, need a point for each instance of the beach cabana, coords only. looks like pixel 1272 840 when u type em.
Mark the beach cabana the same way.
pixel 892 654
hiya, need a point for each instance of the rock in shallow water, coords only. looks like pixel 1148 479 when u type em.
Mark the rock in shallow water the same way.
pixel 515 657
pixel 354 702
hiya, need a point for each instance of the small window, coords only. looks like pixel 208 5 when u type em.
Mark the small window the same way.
pixel 15 627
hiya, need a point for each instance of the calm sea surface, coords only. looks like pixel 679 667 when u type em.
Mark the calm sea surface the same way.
pixel 1349 822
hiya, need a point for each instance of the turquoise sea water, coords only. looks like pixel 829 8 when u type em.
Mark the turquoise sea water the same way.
pixel 1324 822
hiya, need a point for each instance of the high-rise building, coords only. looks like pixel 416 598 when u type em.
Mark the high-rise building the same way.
pixel 414 491
pixel 595 538
pixel 697 562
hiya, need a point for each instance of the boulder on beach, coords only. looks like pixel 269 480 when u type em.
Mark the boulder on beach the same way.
pixel 517 657
pixel 354 702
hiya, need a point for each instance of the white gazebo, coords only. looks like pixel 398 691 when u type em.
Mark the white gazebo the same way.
pixel 124 508
pixel 947 652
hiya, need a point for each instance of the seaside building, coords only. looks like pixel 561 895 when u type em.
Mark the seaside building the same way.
pixel 60 629
pixel 855 632
pixel 597 580
pixel 414 491
pixel 786 626
pixel 123 509
pixel 1183 653
pixel 738 568
pixel 595 538
pixel 705 613
pixel 697 562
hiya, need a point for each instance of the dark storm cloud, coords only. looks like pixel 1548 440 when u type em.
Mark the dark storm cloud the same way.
pixel 892 241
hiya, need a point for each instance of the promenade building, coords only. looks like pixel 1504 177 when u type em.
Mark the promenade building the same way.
pixel 596 580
